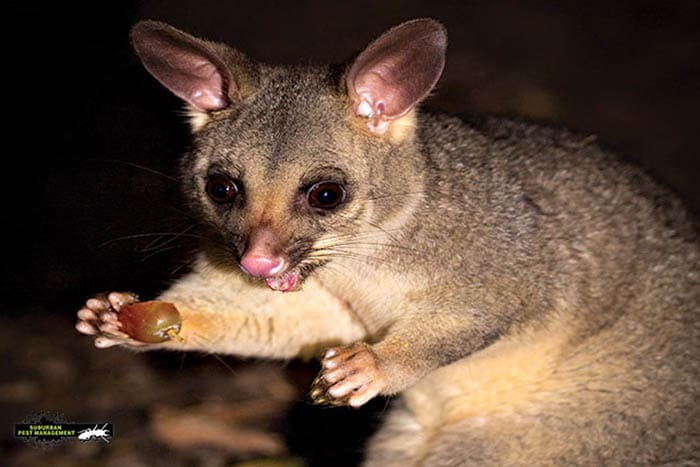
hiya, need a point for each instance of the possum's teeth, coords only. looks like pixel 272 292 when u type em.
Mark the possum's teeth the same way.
pixel 284 282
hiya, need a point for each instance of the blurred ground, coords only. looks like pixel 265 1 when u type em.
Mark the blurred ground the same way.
pixel 94 141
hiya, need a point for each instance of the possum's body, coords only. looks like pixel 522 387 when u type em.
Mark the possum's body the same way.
pixel 533 298
pixel 601 381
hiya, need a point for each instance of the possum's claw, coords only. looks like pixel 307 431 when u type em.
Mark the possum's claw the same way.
pixel 349 376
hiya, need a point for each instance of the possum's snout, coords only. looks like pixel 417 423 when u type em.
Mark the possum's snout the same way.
pixel 263 259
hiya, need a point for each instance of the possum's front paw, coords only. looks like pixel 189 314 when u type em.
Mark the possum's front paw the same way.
pixel 349 376
pixel 99 317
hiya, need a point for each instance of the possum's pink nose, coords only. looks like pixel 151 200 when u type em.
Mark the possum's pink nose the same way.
pixel 262 258
pixel 261 265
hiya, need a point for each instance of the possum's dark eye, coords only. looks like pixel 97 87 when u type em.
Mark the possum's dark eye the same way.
pixel 325 195
pixel 221 189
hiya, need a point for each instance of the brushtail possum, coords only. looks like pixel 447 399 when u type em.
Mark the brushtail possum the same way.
pixel 534 298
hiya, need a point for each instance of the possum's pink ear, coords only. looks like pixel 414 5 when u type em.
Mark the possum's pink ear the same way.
pixel 396 71
pixel 189 67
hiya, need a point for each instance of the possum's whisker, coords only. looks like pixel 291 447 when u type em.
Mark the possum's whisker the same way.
pixel 390 195
pixel 365 241
pixel 200 341
pixel 351 236
pixel 332 253
pixel 184 212
pixel 380 244
pixel 340 268
pixel 358 247
pixel 155 243
pixel 159 251
pixel 144 168
pixel 381 229
pixel 146 235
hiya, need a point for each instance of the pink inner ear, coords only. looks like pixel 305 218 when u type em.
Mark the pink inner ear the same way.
pixel 397 70
pixel 377 96
pixel 187 66
pixel 206 90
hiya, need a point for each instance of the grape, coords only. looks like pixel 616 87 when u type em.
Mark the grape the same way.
pixel 151 322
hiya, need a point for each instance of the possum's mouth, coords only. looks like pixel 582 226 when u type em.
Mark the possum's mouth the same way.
pixel 284 282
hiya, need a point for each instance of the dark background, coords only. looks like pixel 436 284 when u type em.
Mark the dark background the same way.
pixel 92 143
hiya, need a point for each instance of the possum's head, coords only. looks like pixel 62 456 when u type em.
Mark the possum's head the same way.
pixel 293 166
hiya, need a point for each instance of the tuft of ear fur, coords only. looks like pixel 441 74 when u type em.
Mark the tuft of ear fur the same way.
pixel 395 72
pixel 206 75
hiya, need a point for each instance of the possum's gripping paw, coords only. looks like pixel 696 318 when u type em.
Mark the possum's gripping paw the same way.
pixel 99 317
pixel 349 376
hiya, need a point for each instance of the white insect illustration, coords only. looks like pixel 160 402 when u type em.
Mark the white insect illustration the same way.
pixel 90 434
